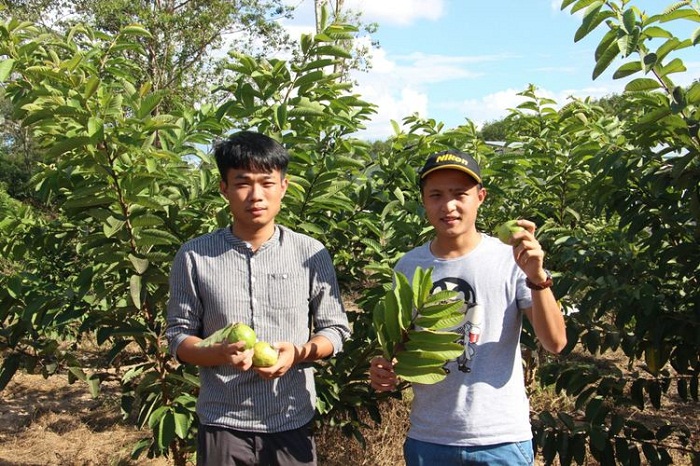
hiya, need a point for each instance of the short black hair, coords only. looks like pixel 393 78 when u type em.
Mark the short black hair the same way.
pixel 249 150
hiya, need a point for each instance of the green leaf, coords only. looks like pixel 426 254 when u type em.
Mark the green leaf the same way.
pixel 140 264
pixel 135 30
pixel 581 4
pixel 627 69
pixel 135 290
pixel 182 424
pixel 681 13
pixel 674 66
pixel 166 431
pixel 424 375
pixel 67 145
pixel 404 299
pixel 216 337
pixel 10 364
pixel 591 20
pixel 6 68
pixel 439 322
pixel 444 351
pixel 629 20
pixel 391 320
pixel 443 309
pixel 429 340
pixel 93 382
pixel 642 85
pixel 152 237
pixel 657 32
pixel 566 3
pixel 606 59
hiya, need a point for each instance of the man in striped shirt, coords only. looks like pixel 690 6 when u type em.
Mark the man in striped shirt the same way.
pixel 279 282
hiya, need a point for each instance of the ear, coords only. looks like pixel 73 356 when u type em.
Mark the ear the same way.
pixel 285 184
pixel 222 187
pixel 482 194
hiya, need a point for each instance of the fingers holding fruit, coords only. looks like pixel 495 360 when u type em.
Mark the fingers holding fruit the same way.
pixel 272 361
pixel 236 354
pixel 520 234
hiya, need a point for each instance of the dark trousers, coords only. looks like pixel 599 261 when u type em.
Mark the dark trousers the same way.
pixel 219 446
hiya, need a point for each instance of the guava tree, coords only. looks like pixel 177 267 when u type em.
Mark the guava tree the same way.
pixel 124 186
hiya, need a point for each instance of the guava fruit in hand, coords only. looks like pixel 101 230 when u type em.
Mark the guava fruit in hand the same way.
pixel 241 332
pixel 506 230
pixel 232 333
pixel 264 355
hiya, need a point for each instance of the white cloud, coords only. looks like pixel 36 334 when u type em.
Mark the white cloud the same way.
pixel 497 105
pixel 488 108
pixel 398 12
pixel 392 106
pixel 398 85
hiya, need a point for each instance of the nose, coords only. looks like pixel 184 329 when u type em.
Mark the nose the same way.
pixel 449 205
pixel 256 191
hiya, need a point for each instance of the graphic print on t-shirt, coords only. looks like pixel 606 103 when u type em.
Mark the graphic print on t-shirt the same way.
pixel 470 327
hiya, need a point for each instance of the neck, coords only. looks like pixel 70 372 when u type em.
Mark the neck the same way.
pixel 449 247
pixel 255 237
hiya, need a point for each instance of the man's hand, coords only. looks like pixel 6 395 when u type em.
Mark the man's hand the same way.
pixel 235 354
pixel 528 252
pixel 288 356
pixel 381 375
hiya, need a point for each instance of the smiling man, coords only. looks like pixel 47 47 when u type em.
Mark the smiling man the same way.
pixel 479 414
pixel 280 283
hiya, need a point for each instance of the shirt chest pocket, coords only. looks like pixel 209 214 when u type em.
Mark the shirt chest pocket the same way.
pixel 287 291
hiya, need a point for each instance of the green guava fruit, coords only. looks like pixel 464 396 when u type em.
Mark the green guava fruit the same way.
pixel 264 355
pixel 241 332
pixel 506 230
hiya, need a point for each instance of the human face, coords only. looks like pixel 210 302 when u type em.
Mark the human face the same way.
pixel 254 198
pixel 451 199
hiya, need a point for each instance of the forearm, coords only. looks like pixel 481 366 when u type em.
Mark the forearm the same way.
pixel 215 355
pixel 547 320
pixel 318 347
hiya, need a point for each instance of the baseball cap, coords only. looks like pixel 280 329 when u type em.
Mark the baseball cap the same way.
pixel 453 159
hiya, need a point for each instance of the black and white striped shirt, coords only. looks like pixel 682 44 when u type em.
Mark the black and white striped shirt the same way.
pixel 284 291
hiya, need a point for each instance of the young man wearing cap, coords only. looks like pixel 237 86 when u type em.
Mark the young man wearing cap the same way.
pixel 479 414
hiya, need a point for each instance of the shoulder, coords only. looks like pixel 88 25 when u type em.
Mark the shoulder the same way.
pixel 415 256
pixel 289 237
pixel 204 243
pixel 494 244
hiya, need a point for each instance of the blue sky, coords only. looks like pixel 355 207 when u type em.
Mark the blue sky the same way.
pixel 453 60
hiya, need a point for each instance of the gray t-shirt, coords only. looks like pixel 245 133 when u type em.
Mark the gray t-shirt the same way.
pixel 284 290
pixel 482 401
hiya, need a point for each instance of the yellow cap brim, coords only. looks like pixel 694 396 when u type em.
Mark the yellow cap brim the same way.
pixel 461 168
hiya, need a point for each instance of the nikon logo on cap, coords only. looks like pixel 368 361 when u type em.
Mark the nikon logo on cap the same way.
pixel 450 158
pixel 453 159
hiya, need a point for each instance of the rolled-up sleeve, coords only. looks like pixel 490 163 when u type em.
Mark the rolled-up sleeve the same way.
pixel 326 304
pixel 184 316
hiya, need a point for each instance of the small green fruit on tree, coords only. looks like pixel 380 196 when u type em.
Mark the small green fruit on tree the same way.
pixel 408 322
pixel 233 333
pixel 506 230
pixel 264 355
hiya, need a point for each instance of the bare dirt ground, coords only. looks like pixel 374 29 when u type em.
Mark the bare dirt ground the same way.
pixel 49 422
